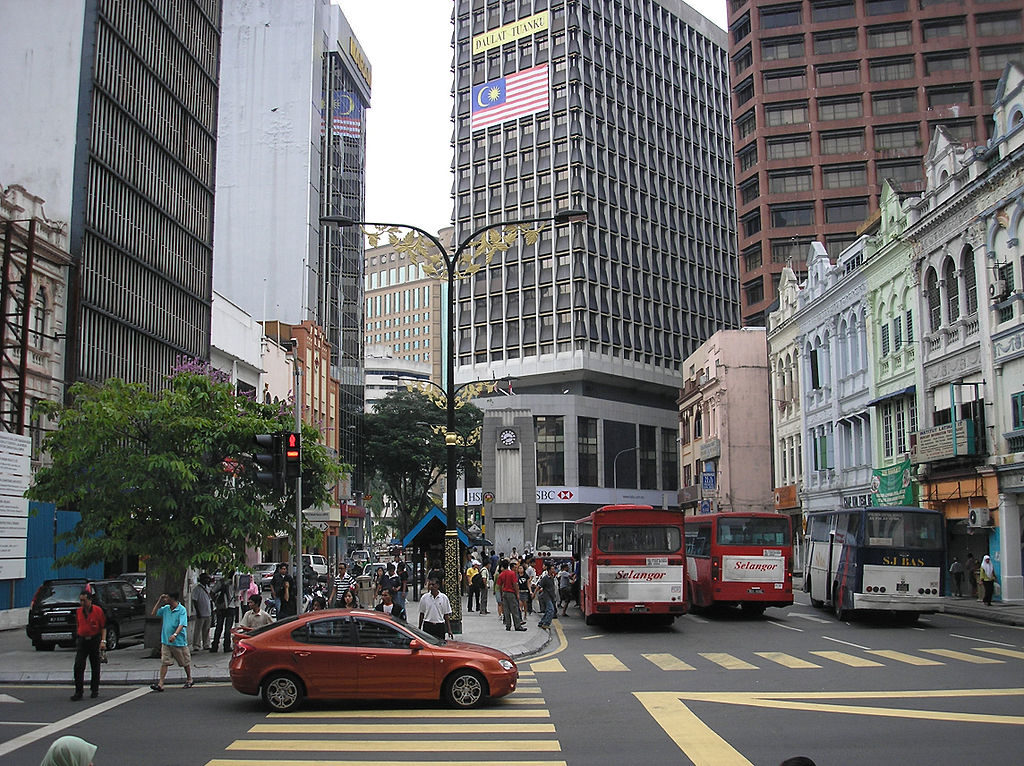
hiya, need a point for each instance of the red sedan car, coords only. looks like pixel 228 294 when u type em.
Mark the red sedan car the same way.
pixel 358 654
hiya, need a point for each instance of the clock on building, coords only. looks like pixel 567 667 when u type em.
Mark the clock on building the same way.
pixel 508 438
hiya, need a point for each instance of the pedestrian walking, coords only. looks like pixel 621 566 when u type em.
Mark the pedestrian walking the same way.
pixel 202 609
pixel 472 585
pixel 342 582
pixel 546 589
pixel 485 586
pixel 435 612
pixel 388 605
pixel 971 565
pixel 224 603
pixel 987 575
pixel 564 578
pixel 173 641
pixel 282 588
pixel 957 570
pixel 508 585
pixel 92 639
pixel 69 751
pixel 403 584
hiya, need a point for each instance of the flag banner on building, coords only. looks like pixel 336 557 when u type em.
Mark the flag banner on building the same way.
pixel 893 485
pixel 506 98
pixel 346 115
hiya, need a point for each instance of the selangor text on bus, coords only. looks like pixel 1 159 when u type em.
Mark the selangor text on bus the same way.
pixel 632 562
pixel 739 559
pixel 876 558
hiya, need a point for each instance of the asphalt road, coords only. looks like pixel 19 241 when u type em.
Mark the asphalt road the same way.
pixel 711 690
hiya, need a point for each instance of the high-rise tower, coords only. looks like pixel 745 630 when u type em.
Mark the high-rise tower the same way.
pixel 620 108
pixel 833 97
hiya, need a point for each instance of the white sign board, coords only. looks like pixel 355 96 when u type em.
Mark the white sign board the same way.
pixel 753 569
pixel 15 476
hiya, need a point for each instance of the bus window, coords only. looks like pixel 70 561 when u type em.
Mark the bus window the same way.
pixel 753 531
pixel 817 529
pixel 644 540
pixel 904 530
pixel 698 539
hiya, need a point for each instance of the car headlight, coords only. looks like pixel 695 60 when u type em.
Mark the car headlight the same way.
pixel 507 665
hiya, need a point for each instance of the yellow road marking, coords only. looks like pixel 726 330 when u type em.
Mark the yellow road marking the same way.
pixel 528 690
pixel 527 682
pixel 786 659
pixel 999 650
pixel 548 666
pixel 405 728
pixel 563 643
pixel 849 659
pixel 398 746
pixel 910 659
pixel 375 762
pixel 668 662
pixel 608 663
pixel 377 714
pixel 521 701
pixel 694 737
pixel 955 655
pixel 727 661
pixel 525 673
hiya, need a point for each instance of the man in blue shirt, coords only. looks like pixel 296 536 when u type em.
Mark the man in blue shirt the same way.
pixel 173 638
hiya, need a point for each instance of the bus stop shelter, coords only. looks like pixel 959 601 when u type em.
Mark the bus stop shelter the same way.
pixel 425 541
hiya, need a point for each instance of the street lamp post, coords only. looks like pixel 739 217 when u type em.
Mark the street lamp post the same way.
pixel 615 469
pixel 448 267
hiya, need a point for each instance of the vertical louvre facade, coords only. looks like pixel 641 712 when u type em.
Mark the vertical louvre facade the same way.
pixel 637 132
pixel 833 97
pixel 146 208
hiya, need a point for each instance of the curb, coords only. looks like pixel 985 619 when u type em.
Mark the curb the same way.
pixel 988 614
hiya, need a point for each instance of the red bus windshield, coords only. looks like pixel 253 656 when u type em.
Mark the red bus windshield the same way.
pixel 640 540
pixel 755 530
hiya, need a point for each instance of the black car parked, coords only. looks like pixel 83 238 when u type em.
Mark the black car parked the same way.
pixel 51 617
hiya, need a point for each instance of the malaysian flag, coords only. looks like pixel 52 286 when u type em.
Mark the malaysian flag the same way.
pixel 346 115
pixel 509 97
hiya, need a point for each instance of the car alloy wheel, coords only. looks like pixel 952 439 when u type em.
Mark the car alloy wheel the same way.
pixel 282 692
pixel 113 637
pixel 464 688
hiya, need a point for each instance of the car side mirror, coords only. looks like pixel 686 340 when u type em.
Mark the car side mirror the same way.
pixel 415 644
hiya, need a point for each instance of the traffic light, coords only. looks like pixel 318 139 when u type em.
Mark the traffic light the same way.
pixel 292 455
pixel 270 459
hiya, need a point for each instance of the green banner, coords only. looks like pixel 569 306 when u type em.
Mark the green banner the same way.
pixel 893 485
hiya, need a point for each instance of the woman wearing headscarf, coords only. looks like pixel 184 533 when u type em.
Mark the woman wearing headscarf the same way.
pixel 987 575
pixel 69 751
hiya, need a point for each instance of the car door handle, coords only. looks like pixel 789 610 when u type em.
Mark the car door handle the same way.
pixel 302 654
pixel 369 656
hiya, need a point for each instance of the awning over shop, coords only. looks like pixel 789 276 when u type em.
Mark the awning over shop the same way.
pixel 433 526
pixel 894 395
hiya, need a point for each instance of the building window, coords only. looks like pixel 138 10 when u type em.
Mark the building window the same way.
pixel 826 43
pixel 960 94
pixel 747 124
pixel 1017 411
pixel 778 16
pixel 959 61
pixel 752 257
pixel 934 306
pixel 751 223
pixel 990 59
pixel 669 460
pixel 892 69
pixel 843 142
pixel 846 74
pixel 786 181
pixel 837 243
pixel 754 293
pixel 788 79
pixel 890 36
pixel 844 176
pixel 782 48
pixel 747 157
pixel 792 215
pixel 741 28
pixel 894 103
pixel 885 340
pixel 882 7
pixel 787 147
pixel 549 433
pixel 897 333
pixel 846 211
pixel 587 451
pixel 998 24
pixel 900 172
pixel 832 10
pixel 742 60
pixel 936 30
pixel 749 190
pixel 899 137
pixel 793 249
pixel 840 108
pixel 744 91
pixel 959 130
pixel 910 327
pixel 648 454
pixel 793 113
pixel 970 283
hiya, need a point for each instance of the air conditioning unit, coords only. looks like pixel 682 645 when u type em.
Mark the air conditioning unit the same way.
pixel 997 290
pixel 978 517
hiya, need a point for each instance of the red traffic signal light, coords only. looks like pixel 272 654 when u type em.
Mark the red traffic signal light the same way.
pixel 292 455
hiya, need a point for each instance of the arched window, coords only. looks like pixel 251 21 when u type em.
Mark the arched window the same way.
pixel 934 307
pixel 970 281
pixel 952 290
pixel 39 318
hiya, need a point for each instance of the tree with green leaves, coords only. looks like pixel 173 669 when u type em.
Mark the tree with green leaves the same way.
pixel 170 475
pixel 405 446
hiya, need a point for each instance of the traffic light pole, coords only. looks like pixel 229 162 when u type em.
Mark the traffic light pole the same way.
pixel 298 485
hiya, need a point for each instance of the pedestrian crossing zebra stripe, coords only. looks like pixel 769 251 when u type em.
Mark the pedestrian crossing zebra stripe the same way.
pixel 383 714
pixel 405 727
pixel 787 660
pixel 363 745
pixel 963 656
pixel 849 659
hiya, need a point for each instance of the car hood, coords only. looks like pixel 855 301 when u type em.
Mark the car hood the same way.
pixel 463 646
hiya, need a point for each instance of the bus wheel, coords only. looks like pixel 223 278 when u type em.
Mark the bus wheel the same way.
pixel 752 610
pixel 842 614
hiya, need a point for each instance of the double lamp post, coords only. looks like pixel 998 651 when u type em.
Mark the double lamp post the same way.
pixel 441 262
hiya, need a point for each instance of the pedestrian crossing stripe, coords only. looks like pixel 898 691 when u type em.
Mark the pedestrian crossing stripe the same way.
pixel 606 663
pixel 849 659
pixel 668 662
pixel 787 660
pixel 727 661
pixel 910 659
pixel 548 666
pixel 405 727
pixel 999 650
pixel 495 712
pixel 964 656
pixel 375 745
pixel 374 762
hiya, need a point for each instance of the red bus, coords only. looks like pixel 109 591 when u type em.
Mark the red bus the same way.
pixel 632 562
pixel 743 559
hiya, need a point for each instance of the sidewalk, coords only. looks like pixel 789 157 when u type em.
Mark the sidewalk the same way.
pixel 132 665
pixel 1003 613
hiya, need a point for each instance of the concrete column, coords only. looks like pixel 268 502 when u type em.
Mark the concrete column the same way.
pixel 1011 580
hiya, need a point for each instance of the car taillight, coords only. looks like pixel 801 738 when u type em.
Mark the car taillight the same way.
pixel 716 568
pixel 35 597
pixel 241 648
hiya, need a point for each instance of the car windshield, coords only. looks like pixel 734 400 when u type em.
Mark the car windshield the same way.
pixel 60 593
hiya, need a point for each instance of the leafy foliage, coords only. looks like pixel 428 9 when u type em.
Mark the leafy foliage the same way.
pixel 405 446
pixel 170 475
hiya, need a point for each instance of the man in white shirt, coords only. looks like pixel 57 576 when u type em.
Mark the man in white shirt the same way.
pixel 256 617
pixel 435 612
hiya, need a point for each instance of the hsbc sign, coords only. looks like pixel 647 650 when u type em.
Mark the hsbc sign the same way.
pixel 556 494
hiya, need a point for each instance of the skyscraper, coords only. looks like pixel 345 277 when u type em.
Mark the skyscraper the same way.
pixel 620 108
pixel 115 128
pixel 832 97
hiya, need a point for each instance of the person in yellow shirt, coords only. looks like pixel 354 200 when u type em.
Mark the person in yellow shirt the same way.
pixel 472 585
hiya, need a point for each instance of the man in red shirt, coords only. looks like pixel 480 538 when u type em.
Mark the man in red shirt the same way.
pixel 508 587
pixel 92 630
